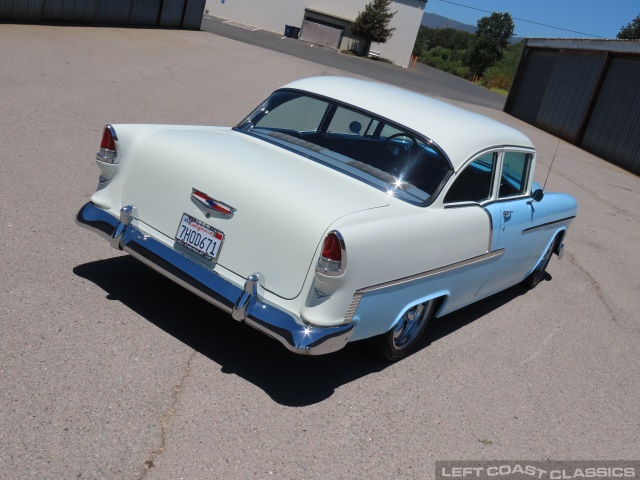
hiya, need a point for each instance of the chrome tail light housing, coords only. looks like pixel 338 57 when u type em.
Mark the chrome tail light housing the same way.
pixel 333 257
pixel 109 150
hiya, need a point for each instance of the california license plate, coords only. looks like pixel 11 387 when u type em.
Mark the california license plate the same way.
pixel 199 237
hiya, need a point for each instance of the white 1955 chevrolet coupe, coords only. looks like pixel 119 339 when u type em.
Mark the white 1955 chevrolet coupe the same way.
pixel 338 210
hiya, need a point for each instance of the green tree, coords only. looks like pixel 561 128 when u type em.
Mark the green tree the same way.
pixel 372 24
pixel 430 38
pixel 631 31
pixel 501 74
pixel 492 37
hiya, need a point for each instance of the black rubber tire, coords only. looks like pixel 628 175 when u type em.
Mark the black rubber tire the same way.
pixel 388 347
pixel 537 275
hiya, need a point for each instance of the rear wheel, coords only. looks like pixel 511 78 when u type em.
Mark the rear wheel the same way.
pixel 536 276
pixel 398 342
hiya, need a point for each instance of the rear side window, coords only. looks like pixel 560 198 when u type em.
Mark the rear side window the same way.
pixel 474 183
pixel 515 169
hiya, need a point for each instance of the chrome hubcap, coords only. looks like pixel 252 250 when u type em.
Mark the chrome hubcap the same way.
pixel 410 325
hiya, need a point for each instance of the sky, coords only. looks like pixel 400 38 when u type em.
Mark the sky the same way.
pixel 585 18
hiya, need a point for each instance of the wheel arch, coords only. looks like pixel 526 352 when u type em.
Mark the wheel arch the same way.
pixel 559 238
pixel 440 298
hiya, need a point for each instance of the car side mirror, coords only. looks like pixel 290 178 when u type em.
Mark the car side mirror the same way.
pixel 537 195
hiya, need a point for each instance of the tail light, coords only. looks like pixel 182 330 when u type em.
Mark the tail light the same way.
pixel 108 146
pixel 333 258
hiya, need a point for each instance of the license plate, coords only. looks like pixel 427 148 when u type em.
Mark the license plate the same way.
pixel 199 237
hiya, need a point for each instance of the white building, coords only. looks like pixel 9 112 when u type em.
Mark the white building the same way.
pixel 325 22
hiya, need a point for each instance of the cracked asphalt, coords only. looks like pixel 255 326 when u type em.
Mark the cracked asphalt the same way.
pixel 109 371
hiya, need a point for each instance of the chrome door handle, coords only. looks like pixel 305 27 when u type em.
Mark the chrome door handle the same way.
pixel 507 214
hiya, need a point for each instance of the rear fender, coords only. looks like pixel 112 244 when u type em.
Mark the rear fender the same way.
pixel 129 137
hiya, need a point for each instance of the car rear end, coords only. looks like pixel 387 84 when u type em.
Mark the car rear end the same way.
pixel 239 222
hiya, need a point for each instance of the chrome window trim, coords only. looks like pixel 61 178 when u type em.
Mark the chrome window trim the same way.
pixel 462 205
pixel 508 199
pixel 241 128
pixel 527 178
pixel 497 153
pixel 357 296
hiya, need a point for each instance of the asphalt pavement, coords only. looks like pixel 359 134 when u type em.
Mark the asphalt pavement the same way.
pixel 110 371
pixel 423 79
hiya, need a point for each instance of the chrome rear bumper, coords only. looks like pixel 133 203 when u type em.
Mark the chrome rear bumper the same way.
pixel 244 304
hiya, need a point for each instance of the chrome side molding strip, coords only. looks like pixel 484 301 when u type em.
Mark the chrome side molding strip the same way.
pixel 357 295
pixel 436 271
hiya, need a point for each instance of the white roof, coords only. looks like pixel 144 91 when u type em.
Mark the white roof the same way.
pixel 458 132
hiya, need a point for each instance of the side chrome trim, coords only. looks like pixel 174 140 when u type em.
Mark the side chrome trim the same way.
pixel 357 296
pixel 436 271
pixel 490 229
pixel 348 318
pixel 244 304
pixel 526 230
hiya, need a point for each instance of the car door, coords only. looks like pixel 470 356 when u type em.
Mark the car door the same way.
pixel 471 188
pixel 513 212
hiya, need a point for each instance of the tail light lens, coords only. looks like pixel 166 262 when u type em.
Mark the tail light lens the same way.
pixel 108 146
pixel 332 259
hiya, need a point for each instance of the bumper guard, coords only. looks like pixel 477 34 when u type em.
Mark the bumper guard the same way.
pixel 243 303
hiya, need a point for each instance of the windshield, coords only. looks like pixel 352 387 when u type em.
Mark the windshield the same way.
pixel 385 155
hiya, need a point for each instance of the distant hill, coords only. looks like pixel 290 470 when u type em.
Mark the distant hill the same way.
pixel 433 20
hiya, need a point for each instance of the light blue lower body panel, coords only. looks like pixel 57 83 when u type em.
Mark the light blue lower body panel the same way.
pixel 380 308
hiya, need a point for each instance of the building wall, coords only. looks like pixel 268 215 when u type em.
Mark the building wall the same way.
pixel 583 91
pixel 162 13
pixel 274 15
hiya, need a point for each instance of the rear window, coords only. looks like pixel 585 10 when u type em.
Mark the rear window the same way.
pixel 375 150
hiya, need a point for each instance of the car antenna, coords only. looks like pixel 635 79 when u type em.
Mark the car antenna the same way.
pixel 551 166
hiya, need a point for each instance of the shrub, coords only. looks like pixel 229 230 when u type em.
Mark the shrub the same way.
pixel 497 79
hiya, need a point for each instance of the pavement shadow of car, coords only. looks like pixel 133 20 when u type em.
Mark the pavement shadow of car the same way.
pixel 243 351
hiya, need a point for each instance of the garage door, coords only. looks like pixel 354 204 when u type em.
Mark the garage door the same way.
pixel 318 34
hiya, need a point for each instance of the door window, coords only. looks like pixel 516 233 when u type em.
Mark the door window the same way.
pixel 514 175
pixel 474 183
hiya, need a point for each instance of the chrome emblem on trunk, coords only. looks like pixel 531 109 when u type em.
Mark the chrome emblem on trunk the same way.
pixel 212 204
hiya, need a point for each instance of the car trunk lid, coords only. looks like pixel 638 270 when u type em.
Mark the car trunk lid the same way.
pixel 283 202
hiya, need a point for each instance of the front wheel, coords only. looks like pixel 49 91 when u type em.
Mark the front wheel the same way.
pixel 398 342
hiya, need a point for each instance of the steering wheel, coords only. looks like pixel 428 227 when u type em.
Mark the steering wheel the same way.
pixel 406 145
